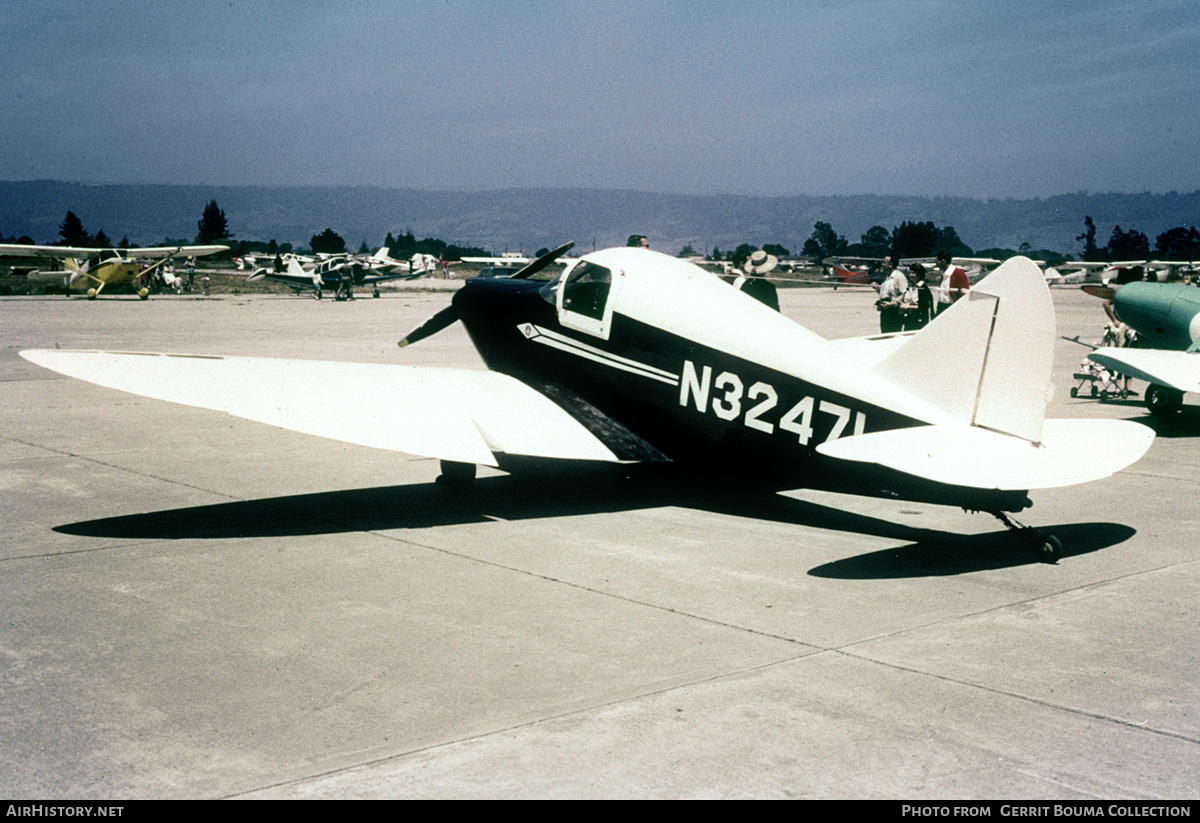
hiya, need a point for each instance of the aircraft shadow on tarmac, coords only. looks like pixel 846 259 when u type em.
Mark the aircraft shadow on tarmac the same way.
pixel 929 552
pixel 1184 423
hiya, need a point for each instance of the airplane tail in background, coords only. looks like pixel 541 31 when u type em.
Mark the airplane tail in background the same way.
pixel 986 360
pixel 294 268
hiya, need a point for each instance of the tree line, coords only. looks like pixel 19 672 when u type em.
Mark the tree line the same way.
pixel 925 239
pixel 213 228
pixel 909 239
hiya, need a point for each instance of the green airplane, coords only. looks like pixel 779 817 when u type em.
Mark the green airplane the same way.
pixel 1166 317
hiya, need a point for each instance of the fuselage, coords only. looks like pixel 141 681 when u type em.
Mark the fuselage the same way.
pixel 722 381
pixel 1165 315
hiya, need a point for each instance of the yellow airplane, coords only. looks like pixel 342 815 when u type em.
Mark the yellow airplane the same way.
pixel 92 270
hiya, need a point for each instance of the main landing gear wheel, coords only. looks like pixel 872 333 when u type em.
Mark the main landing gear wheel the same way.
pixel 1047 548
pixel 375 293
pixel 1163 401
pixel 456 475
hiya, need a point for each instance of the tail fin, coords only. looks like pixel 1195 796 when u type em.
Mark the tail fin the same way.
pixel 296 269
pixel 987 359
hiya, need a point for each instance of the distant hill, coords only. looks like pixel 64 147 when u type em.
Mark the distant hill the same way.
pixel 528 219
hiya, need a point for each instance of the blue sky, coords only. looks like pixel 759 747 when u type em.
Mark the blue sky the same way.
pixel 923 97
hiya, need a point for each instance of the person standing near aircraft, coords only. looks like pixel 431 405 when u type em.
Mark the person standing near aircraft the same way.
pixel 891 292
pixel 638 241
pixel 954 282
pixel 754 282
pixel 316 281
pixel 916 308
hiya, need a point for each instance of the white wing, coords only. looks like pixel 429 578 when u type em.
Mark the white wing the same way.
pixel 1177 369
pixel 66 252
pixel 1070 452
pixel 453 414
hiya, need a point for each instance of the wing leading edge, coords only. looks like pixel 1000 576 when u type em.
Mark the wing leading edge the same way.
pixel 1177 369
pixel 451 414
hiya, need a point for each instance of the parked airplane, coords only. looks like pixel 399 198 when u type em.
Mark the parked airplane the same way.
pixel 870 269
pixel 333 272
pixel 92 270
pixel 855 270
pixel 1124 271
pixel 634 356
pixel 1166 317
pixel 508 258
pixel 975 267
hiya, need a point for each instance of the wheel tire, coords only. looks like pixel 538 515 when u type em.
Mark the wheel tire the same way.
pixel 1049 549
pixel 1163 401
pixel 1075 391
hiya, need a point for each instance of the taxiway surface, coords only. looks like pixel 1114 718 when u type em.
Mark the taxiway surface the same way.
pixel 195 606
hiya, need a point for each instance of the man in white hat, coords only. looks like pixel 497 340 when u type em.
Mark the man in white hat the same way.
pixel 753 281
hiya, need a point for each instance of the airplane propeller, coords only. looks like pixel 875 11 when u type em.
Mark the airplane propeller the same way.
pixel 1103 292
pixel 448 315
pixel 546 259
pixel 431 326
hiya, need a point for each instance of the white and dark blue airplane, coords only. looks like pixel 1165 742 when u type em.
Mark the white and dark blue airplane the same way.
pixel 632 356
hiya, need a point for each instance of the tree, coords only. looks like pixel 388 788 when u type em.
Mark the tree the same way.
pixel 1178 244
pixel 916 239
pixel 71 231
pixel 776 249
pixel 1128 245
pixel 212 225
pixel 687 251
pixel 327 242
pixel 824 242
pixel 1090 252
pixel 741 254
pixel 949 242
pixel 877 242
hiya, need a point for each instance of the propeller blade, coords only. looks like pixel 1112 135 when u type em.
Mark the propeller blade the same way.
pixel 431 326
pixel 541 263
pixel 1103 292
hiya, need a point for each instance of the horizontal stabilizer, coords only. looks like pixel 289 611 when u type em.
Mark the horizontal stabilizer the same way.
pixel 1071 451
pixel 453 414
pixel 1177 369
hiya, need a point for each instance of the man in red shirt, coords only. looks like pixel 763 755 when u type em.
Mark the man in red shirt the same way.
pixel 954 282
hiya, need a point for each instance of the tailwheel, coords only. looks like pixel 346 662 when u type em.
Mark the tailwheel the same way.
pixel 375 293
pixel 1050 550
pixel 144 293
pixel 456 475
pixel 91 294
pixel 1047 548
